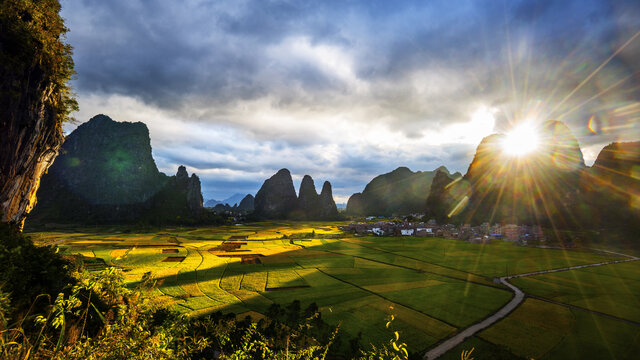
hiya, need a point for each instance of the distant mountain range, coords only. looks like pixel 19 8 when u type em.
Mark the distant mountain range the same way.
pixel 401 192
pixel 246 205
pixel 106 173
pixel 232 200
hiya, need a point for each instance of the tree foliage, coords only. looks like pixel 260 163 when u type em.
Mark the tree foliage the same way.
pixel 32 35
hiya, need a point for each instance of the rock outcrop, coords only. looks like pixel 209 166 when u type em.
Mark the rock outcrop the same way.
pixel 108 162
pixel 327 206
pixel 247 203
pixel 277 199
pixel 541 188
pixel 400 192
pixel 308 201
pixel 621 160
pixel 355 205
pixel 277 196
pixel 440 202
pixel 34 101
pixel 611 187
pixel 106 173
pixel 194 194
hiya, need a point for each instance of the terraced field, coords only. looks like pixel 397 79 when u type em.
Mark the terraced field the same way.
pixel 434 287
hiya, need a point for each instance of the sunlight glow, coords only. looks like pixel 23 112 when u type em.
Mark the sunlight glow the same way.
pixel 521 140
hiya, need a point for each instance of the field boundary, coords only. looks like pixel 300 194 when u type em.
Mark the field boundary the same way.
pixel 519 296
pixel 420 270
pixel 387 299
pixel 574 307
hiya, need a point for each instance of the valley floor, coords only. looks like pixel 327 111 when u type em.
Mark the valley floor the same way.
pixel 434 287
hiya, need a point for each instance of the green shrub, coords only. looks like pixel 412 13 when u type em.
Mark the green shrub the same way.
pixel 27 271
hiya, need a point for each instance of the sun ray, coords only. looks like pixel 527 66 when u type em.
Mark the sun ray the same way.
pixel 561 116
pixel 604 63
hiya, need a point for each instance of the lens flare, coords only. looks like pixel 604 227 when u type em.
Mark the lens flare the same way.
pixel 592 126
pixel 520 141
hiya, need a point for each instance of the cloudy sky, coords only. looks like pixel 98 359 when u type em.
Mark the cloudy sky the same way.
pixel 346 90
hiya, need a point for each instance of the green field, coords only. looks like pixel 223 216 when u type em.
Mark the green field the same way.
pixel 432 286
pixel 612 289
pixel 571 333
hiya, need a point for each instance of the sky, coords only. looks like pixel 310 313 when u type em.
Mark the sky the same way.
pixel 347 90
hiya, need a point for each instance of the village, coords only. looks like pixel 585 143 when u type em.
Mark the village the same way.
pixel 522 234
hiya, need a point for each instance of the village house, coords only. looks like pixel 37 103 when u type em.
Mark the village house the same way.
pixel 407 232
pixel 511 232
pixel 523 234
pixel 424 231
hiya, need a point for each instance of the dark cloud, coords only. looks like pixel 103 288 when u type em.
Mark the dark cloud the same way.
pixel 325 85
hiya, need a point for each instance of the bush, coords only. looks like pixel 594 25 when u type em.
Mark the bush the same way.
pixel 27 271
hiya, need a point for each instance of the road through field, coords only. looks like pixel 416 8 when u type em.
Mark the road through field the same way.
pixel 519 295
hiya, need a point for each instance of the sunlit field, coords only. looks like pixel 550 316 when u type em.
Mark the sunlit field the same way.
pixel 432 286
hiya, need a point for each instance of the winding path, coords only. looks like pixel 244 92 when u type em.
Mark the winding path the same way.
pixel 519 295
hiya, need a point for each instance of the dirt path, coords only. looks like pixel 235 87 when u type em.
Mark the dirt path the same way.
pixel 459 337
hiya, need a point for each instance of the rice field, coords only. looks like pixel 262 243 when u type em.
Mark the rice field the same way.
pixel 433 287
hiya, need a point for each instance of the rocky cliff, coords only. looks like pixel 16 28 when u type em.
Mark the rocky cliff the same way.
pixel 541 187
pixel 440 202
pixel 401 191
pixel 109 162
pixel 327 206
pixel 308 206
pixel 247 203
pixel 106 173
pixel 35 66
pixel 277 199
pixel 355 205
pixel 611 187
pixel 277 196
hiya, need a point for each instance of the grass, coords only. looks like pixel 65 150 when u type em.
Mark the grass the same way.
pixel 612 289
pixel 482 350
pixel 531 334
pixel 597 337
pixel 542 330
pixel 490 260
pixel 457 303
pixel 432 286
pixel 255 281
pixel 278 279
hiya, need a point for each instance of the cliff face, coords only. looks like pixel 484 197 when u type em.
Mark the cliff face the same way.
pixel 31 136
pixel 440 202
pixel 277 196
pixel 247 203
pixel 612 187
pixel 34 100
pixel 539 188
pixel 108 162
pixel 355 205
pixel 327 206
pixel 277 199
pixel 401 191
pixel 106 174
pixel 195 201
pixel 619 159
pixel 308 206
